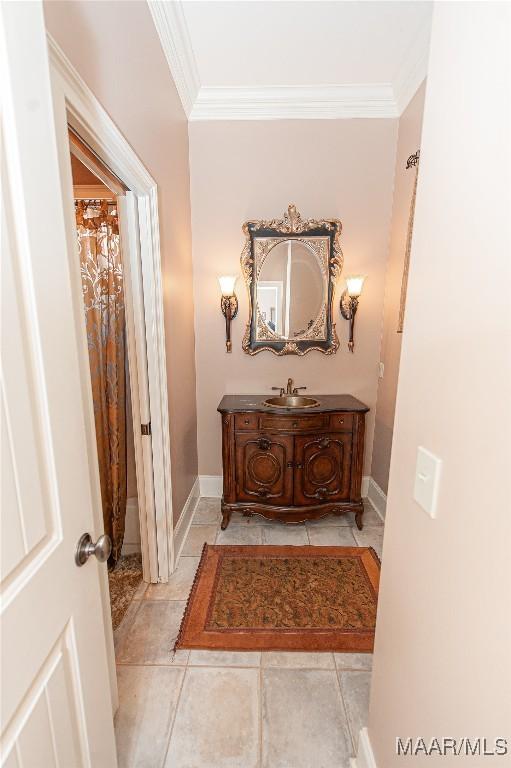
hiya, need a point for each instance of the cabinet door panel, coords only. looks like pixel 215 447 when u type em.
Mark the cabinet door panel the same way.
pixel 264 468
pixel 322 468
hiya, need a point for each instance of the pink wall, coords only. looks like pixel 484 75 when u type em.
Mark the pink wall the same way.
pixel 115 48
pixel 409 134
pixel 442 662
pixel 251 169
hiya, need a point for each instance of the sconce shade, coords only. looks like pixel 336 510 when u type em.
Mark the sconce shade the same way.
pixel 227 283
pixel 355 284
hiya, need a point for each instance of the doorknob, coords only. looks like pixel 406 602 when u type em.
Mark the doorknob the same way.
pixel 86 547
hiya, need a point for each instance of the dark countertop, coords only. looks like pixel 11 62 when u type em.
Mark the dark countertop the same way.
pixel 243 403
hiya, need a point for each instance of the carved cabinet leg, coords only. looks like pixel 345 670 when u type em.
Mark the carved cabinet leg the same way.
pixel 226 516
pixel 358 518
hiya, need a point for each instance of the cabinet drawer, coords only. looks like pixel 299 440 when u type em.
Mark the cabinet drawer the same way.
pixel 341 422
pixel 294 423
pixel 245 421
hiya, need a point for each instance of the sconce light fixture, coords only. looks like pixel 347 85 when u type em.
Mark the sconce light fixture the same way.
pixel 349 303
pixel 229 305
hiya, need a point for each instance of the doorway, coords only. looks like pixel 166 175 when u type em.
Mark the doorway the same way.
pixel 76 108
pixel 110 203
pixel 100 250
pixel 148 509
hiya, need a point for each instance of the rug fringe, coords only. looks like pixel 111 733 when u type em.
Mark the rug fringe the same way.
pixel 193 590
pixel 195 634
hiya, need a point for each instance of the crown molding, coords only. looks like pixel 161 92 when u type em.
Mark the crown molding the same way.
pixel 295 102
pixel 413 69
pixel 172 29
pixel 311 102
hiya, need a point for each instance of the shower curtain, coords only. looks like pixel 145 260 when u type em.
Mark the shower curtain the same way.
pixel 103 296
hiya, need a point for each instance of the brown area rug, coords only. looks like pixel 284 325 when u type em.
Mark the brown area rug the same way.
pixel 288 598
pixel 123 581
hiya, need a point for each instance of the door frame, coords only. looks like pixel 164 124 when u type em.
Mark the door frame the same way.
pixel 145 324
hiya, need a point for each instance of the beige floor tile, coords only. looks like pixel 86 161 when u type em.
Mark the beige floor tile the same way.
pixel 180 658
pixel 359 661
pixel 152 634
pixel 139 594
pixel 225 658
pixel 198 535
pixel 240 534
pixel 210 501
pixel 331 536
pixel 304 723
pixel 355 688
pixel 217 720
pixel 147 702
pixel 297 660
pixel 335 520
pixel 126 624
pixel 179 585
pixel 370 537
pixel 285 534
pixel 207 512
pixel 371 516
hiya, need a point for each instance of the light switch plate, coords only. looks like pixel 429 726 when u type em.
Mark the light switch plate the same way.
pixel 427 480
pixel 381 371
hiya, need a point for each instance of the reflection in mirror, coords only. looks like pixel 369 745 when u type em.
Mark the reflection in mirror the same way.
pixel 291 288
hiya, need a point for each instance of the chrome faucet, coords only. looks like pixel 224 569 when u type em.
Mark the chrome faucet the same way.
pixel 290 390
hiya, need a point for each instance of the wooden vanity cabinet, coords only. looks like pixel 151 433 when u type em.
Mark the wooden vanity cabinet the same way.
pixel 292 465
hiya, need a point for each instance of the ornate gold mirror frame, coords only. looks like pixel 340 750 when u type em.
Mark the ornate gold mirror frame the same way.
pixel 328 252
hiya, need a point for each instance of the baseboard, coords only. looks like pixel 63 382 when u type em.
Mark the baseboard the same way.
pixel 211 485
pixel 377 498
pixel 185 520
pixel 365 756
pixel 131 543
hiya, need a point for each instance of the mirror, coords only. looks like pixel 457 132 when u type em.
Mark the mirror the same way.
pixel 290 291
pixel 291 267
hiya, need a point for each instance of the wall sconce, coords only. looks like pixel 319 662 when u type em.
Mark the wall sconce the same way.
pixel 349 303
pixel 228 304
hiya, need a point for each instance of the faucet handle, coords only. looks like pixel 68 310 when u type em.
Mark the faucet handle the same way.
pixel 295 390
pixel 279 389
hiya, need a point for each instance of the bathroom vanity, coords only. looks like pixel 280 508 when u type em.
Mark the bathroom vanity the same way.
pixel 292 464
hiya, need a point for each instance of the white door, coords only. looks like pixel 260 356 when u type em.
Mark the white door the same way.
pixel 56 697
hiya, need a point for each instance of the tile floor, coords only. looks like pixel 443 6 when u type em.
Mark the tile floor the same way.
pixel 218 709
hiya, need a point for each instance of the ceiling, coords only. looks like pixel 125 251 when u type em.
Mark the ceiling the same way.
pixel 313 59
